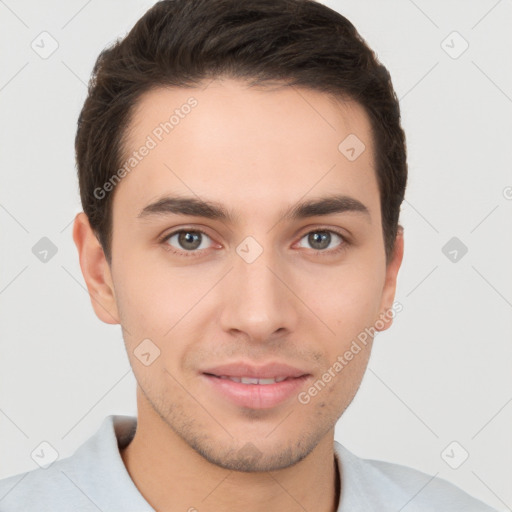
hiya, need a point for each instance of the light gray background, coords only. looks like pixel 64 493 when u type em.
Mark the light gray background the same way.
pixel 442 373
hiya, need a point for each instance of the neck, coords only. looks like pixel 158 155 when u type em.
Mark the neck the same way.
pixel 173 477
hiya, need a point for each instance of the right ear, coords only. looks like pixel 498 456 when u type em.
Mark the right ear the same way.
pixel 96 270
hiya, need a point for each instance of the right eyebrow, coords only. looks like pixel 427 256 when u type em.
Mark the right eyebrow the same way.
pixel 187 206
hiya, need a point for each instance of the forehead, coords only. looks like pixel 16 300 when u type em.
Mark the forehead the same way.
pixel 254 148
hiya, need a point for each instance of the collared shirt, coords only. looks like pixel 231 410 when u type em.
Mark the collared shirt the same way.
pixel 95 479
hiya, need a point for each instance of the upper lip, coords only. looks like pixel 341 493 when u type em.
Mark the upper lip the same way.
pixel 266 371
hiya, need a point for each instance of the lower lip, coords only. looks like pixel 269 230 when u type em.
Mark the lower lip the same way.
pixel 257 396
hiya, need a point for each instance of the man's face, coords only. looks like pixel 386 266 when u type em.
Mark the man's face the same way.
pixel 259 289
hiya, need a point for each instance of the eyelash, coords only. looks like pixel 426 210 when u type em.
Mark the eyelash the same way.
pixel 196 253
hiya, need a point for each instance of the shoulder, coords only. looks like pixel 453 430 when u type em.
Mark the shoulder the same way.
pixel 429 491
pixel 51 489
pixel 92 478
pixel 390 486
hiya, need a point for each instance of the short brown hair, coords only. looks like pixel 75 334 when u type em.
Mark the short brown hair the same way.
pixel 182 42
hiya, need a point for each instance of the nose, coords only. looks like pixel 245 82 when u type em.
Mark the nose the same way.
pixel 259 300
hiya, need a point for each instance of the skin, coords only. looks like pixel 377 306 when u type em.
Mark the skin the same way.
pixel 258 151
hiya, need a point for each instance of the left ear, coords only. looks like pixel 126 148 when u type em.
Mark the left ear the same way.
pixel 389 289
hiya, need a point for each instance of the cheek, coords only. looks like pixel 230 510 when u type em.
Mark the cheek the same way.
pixel 143 306
pixel 161 305
pixel 350 303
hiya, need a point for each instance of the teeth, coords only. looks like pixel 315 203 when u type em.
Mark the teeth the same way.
pixel 252 380
pixel 266 381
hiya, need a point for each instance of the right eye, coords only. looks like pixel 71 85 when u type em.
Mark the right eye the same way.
pixel 188 242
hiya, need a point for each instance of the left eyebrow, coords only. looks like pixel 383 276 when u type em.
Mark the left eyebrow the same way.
pixel 327 206
pixel 213 210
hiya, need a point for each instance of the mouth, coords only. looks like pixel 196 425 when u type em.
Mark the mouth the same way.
pixel 251 380
pixel 255 387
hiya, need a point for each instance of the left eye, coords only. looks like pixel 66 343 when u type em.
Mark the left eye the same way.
pixel 320 239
